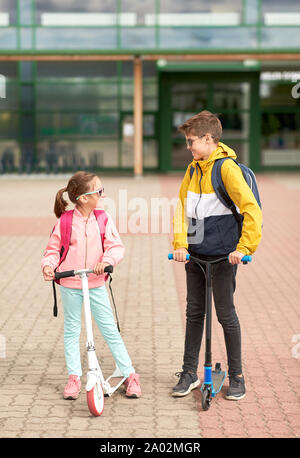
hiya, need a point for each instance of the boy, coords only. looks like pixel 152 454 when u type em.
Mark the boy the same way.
pixel 212 232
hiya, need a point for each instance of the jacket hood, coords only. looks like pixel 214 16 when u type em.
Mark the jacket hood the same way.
pixel 222 150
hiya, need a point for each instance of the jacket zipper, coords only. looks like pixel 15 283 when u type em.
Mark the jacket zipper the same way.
pixel 85 260
pixel 200 191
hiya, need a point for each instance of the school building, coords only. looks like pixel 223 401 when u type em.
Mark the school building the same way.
pixel 102 85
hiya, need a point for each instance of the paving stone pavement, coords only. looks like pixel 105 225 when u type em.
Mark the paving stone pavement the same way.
pixel 150 292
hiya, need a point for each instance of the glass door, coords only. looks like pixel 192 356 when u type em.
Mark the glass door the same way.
pixel 227 95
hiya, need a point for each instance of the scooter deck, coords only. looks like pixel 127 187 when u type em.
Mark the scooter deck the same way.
pixel 218 378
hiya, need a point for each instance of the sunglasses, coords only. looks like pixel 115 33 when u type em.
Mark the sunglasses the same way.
pixel 99 191
pixel 190 141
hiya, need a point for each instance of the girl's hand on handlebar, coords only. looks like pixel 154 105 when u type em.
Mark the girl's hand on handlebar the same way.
pixel 235 257
pixel 180 255
pixel 99 268
pixel 48 273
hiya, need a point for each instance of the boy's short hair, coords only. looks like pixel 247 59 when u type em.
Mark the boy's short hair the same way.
pixel 203 123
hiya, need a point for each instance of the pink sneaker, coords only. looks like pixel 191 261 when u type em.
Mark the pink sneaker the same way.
pixel 73 387
pixel 132 384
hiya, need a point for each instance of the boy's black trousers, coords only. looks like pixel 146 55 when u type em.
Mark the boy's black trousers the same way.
pixel 223 282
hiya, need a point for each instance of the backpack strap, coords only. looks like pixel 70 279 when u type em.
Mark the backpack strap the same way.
pixel 220 190
pixel 65 237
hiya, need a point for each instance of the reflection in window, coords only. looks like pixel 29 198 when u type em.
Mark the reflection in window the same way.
pixel 10 156
pixel 283 37
pixel 76 96
pixel 274 94
pixel 69 38
pixel 281 139
pixel 276 12
pixel 233 96
pixel 8 12
pixel 222 38
pixel 62 10
pixel 140 9
pixel 72 155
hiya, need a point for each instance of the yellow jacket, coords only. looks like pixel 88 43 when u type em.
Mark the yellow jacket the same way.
pixel 199 211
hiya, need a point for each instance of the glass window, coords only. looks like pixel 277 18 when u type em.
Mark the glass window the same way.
pixel 72 155
pixel 274 94
pixel 26 38
pixel 197 13
pixel 8 69
pixel 89 97
pixel 281 139
pixel 26 7
pixel 11 101
pixel 235 125
pixel 207 38
pixel 8 124
pixel 189 97
pixel 150 96
pixel 26 71
pixel 77 70
pixel 276 12
pixel 140 9
pixel 193 6
pixel 252 11
pixel 150 153
pixel 27 97
pixel 281 130
pixel 138 38
pixel 8 12
pixel 233 96
pixel 8 38
pixel 283 37
pixel 84 10
pixel 79 38
pixel 10 155
pixel 77 124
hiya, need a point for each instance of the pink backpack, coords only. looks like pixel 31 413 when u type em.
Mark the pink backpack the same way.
pixel 65 234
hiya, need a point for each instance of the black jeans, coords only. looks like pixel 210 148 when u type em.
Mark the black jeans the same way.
pixel 223 282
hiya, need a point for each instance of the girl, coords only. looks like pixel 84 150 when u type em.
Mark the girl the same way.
pixel 85 251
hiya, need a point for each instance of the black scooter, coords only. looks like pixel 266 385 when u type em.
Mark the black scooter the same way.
pixel 213 379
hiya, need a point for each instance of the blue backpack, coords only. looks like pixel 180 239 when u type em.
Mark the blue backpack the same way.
pixel 219 188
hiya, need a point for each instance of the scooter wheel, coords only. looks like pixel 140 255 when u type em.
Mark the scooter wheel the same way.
pixel 95 400
pixel 206 398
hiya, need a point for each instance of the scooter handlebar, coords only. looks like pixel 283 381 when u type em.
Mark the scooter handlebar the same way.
pixel 245 259
pixel 65 274
pixel 71 273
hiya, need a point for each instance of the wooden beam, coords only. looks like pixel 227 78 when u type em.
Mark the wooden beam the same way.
pixel 138 116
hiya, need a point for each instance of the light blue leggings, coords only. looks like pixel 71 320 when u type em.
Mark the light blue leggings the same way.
pixel 72 300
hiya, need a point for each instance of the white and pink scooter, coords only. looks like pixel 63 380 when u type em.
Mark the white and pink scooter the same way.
pixel 96 387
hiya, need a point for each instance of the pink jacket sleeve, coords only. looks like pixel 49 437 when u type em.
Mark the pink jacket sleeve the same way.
pixel 52 252
pixel 113 246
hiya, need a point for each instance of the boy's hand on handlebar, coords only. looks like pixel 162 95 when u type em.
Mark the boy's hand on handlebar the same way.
pixel 180 255
pixel 48 273
pixel 235 257
pixel 99 268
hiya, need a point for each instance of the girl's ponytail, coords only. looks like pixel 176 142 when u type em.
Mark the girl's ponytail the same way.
pixel 60 204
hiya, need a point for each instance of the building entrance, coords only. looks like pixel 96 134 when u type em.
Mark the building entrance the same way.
pixel 234 97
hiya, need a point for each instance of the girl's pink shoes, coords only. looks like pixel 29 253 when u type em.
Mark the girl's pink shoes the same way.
pixel 132 384
pixel 72 388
